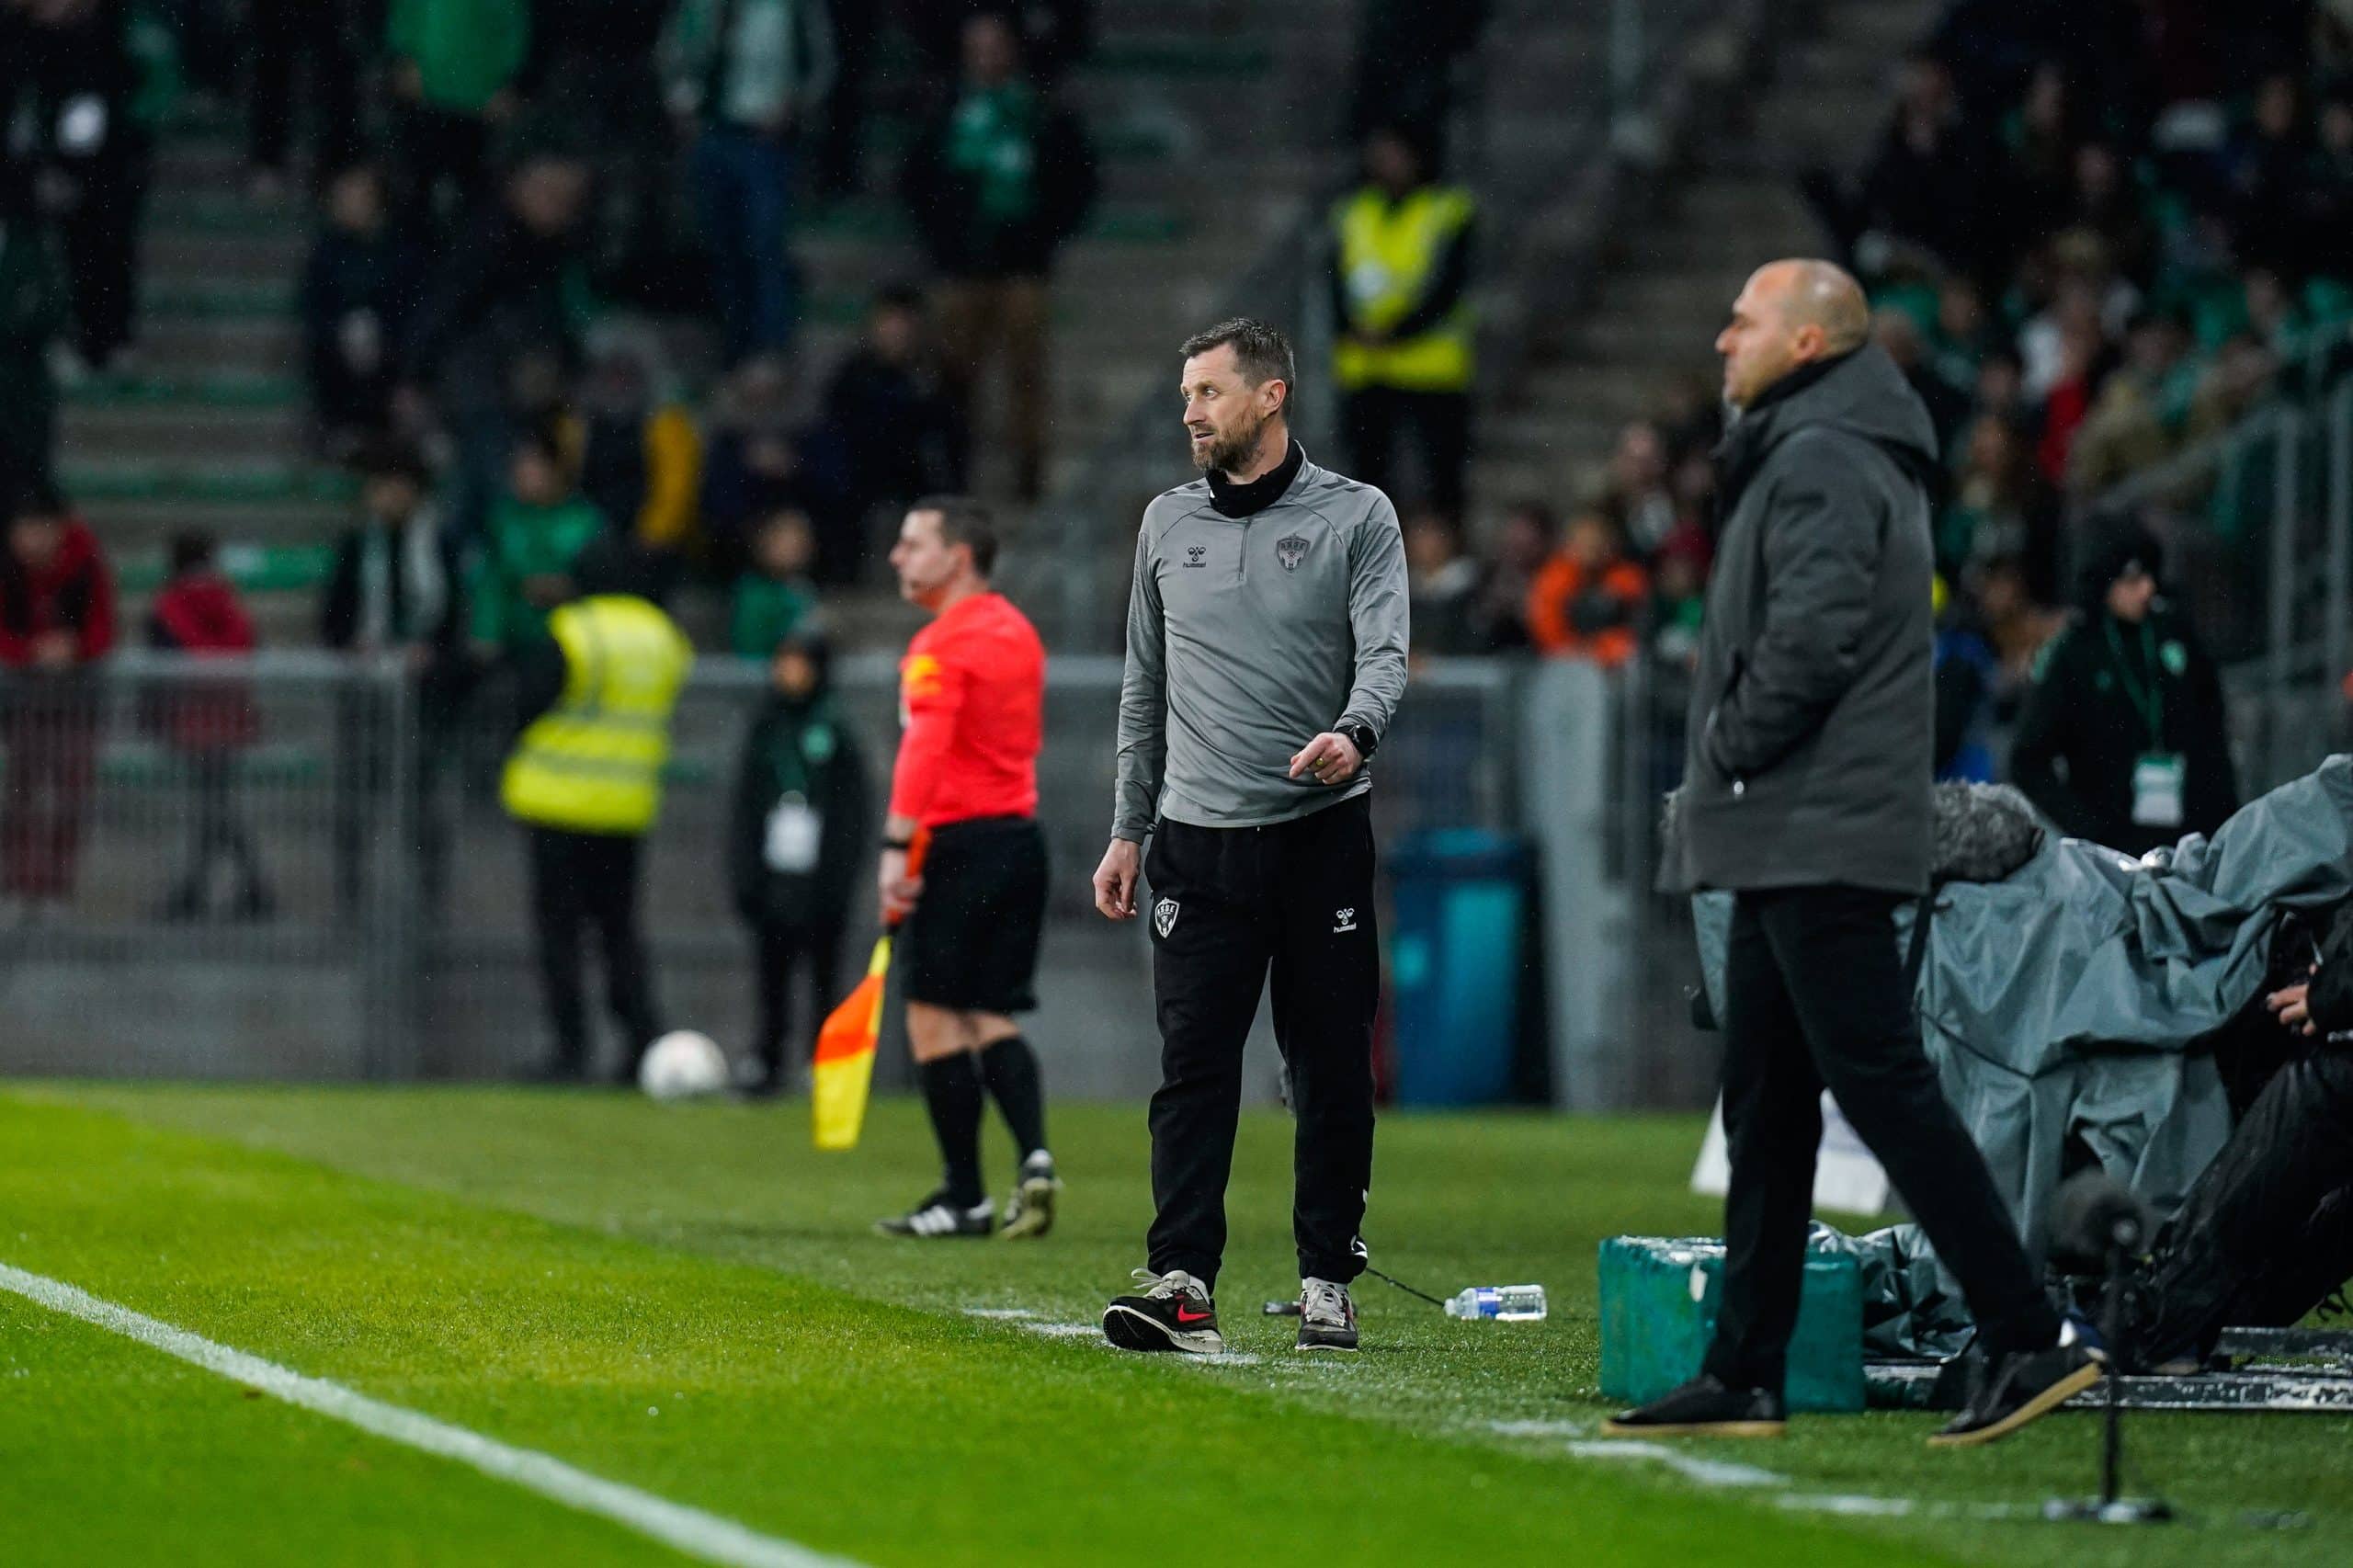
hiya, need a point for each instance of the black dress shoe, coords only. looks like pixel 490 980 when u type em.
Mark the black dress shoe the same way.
pixel 1704 1407
pixel 2022 1387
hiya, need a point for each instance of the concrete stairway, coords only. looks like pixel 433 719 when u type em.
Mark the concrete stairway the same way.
pixel 1672 270
pixel 211 432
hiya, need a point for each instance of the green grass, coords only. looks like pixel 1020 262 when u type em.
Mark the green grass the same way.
pixel 547 1268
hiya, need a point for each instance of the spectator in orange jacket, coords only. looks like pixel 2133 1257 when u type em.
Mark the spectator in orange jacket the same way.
pixel 1588 602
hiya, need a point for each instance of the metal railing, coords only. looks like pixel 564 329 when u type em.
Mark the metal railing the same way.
pixel 392 935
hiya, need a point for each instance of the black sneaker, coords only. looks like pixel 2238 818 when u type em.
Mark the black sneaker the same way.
pixel 937 1217
pixel 2025 1386
pixel 1173 1313
pixel 1031 1212
pixel 1328 1319
pixel 1704 1407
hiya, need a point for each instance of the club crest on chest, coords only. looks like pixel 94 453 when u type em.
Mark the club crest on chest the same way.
pixel 1291 549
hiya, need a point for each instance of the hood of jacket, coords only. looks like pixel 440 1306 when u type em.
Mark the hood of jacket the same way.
pixel 1861 393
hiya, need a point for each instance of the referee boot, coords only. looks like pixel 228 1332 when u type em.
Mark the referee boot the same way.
pixel 939 1217
pixel 1327 1318
pixel 1704 1407
pixel 1031 1212
pixel 1172 1312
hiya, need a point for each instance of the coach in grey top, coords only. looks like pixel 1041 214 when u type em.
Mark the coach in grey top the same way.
pixel 1266 657
pixel 1262 614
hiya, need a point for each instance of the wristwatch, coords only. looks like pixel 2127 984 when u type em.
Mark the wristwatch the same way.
pixel 1359 736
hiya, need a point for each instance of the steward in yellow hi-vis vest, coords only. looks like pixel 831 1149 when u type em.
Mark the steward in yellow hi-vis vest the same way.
pixel 1403 356
pixel 593 762
pixel 1390 254
pixel 585 779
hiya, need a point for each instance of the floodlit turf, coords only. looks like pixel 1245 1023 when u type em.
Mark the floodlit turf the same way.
pixel 687 1300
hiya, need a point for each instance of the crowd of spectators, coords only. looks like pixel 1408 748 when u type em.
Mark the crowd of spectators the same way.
pixel 2095 235
pixel 526 209
pixel 553 301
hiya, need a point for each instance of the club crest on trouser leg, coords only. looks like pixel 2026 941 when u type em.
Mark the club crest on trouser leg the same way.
pixel 1291 549
pixel 1163 915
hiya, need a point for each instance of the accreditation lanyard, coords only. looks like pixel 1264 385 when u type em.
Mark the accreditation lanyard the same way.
pixel 2157 774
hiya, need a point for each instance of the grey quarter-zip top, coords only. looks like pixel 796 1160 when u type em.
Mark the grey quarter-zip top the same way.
pixel 1247 637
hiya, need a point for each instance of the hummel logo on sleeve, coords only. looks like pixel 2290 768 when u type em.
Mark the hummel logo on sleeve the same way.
pixel 1344 920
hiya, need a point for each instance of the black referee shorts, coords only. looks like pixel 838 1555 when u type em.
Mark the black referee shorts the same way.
pixel 971 942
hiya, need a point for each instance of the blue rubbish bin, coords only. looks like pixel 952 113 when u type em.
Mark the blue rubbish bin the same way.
pixel 1454 960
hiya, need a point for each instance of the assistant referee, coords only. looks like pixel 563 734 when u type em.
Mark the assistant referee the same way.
pixel 971 696
pixel 1266 655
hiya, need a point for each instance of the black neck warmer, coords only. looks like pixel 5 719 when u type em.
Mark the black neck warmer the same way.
pixel 1231 500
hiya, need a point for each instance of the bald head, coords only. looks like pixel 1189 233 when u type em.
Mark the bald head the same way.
pixel 1790 313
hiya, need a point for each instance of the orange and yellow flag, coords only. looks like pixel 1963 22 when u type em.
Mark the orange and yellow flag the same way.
pixel 843 1067
pixel 843 1070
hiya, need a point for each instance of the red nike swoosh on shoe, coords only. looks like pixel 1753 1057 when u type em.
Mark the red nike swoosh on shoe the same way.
pixel 1183 1316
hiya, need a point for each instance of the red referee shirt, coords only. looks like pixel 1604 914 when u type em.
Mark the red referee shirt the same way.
pixel 973 698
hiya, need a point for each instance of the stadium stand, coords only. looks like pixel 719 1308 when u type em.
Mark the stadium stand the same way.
pixel 210 428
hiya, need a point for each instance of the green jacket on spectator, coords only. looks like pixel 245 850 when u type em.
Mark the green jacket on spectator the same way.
pixel 524 542
pixel 775 63
pixel 155 57
pixel 767 611
pixel 466 52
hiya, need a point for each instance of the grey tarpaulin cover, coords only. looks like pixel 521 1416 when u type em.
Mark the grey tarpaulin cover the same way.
pixel 2061 1000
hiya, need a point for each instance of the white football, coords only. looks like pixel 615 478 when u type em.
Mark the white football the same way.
pixel 683 1065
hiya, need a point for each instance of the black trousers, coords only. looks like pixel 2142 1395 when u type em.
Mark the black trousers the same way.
pixel 782 948
pixel 217 832
pixel 1230 907
pixel 1816 999
pixel 101 235
pixel 284 33
pixel 2267 1231
pixel 1382 421
pixel 583 881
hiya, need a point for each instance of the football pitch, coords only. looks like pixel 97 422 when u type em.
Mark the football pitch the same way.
pixel 673 1325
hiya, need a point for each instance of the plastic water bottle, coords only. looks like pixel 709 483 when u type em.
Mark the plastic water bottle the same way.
pixel 1504 1303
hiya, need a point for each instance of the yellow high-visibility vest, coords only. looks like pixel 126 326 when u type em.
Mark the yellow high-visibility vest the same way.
pixel 1388 254
pixel 593 763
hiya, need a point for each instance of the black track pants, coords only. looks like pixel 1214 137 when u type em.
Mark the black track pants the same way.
pixel 1816 999
pixel 1228 906
pixel 2268 1231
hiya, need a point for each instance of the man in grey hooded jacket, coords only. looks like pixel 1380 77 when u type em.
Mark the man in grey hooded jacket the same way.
pixel 1806 794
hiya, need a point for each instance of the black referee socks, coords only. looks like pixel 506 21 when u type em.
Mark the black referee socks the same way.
pixel 1011 1068
pixel 951 1088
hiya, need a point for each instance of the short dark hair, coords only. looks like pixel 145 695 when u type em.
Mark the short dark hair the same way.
pixel 545 439
pixel 35 497
pixel 965 521
pixel 389 457
pixel 191 549
pixel 1261 352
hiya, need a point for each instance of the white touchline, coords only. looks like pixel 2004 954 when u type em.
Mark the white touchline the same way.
pixel 707 1536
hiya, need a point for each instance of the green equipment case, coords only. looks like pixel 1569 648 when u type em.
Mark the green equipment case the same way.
pixel 1658 1309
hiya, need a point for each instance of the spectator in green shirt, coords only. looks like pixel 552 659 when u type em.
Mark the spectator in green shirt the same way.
pixel 537 531
pixel 453 68
pixel 775 596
